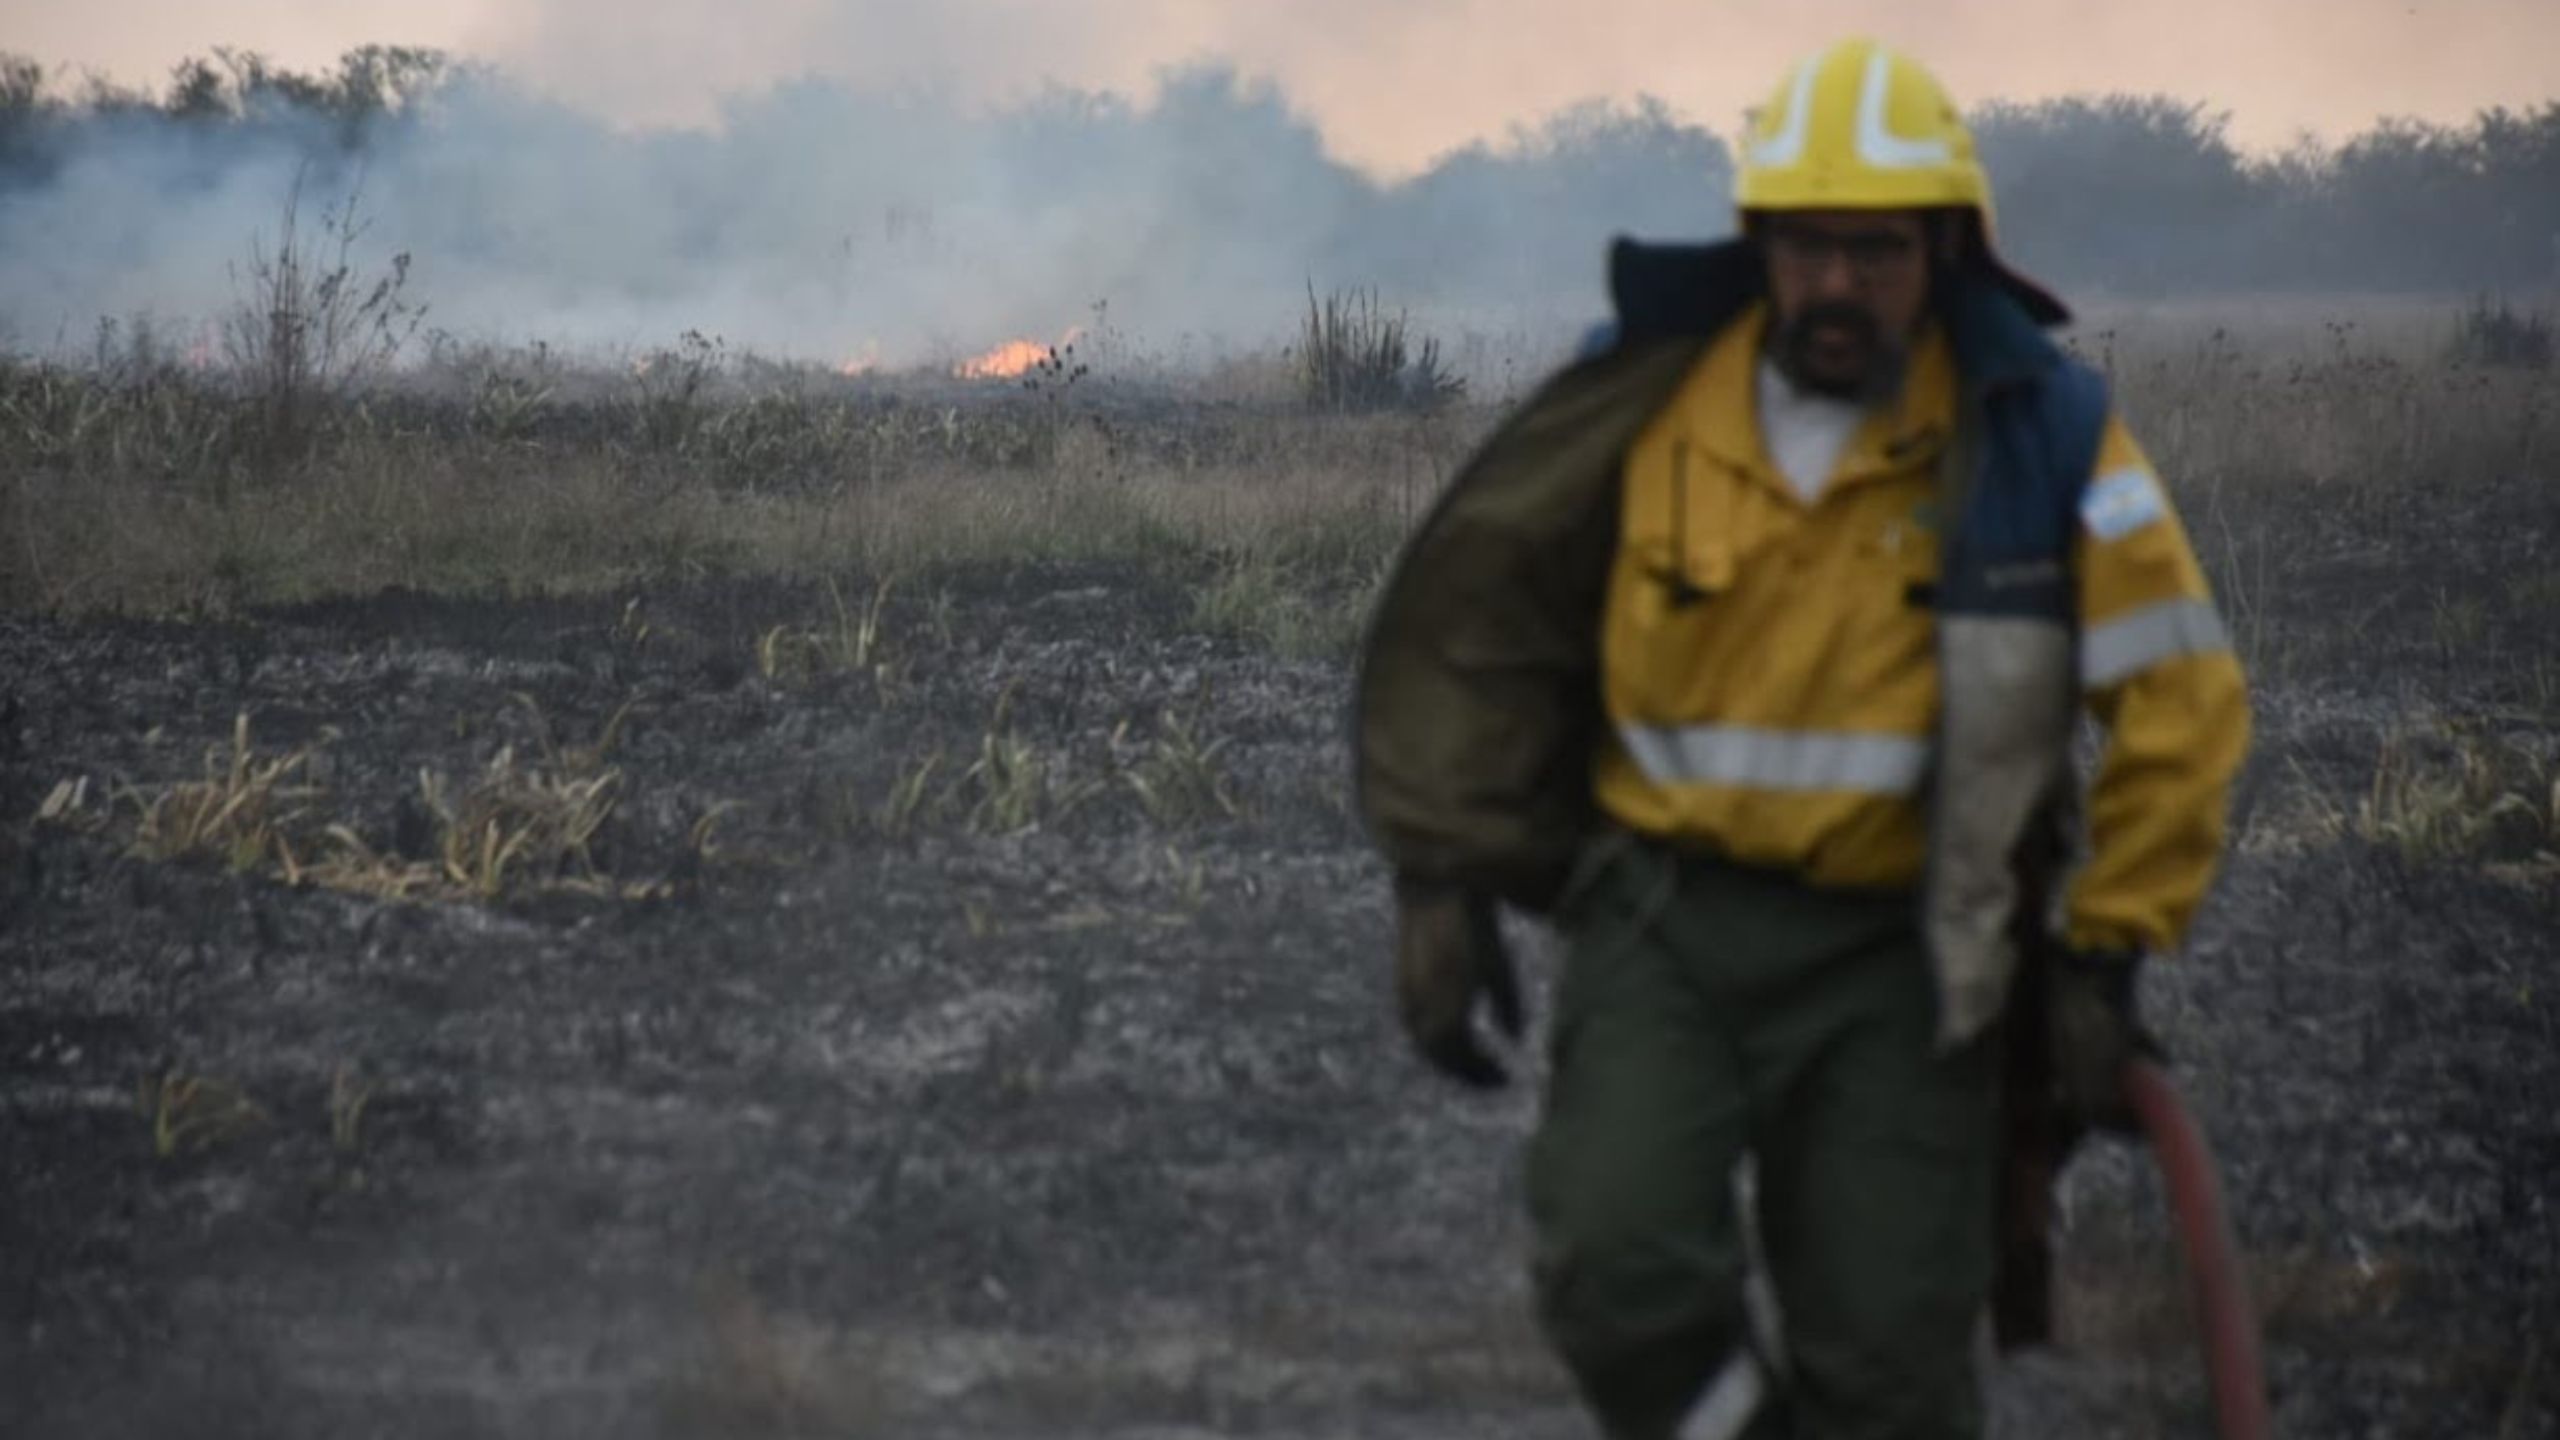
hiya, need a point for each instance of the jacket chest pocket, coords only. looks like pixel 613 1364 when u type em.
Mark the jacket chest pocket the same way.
pixel 1686 537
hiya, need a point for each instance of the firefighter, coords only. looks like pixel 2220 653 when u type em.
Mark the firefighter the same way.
pixel 1749 652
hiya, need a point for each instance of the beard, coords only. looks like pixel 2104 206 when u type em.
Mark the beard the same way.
pixel 1873 373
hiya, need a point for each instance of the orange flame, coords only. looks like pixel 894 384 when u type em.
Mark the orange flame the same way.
pixel 1010 360
pixel 863 363
pixel 1005 362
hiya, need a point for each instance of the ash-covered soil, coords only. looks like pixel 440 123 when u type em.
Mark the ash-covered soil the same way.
pixel 1049 1088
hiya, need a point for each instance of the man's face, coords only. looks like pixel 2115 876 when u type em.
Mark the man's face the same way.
pixel 1848 288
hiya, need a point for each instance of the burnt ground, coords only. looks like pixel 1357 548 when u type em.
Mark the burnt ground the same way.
pixel 821 1118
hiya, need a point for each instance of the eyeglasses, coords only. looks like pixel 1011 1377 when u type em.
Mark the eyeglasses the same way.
pixel 1871 254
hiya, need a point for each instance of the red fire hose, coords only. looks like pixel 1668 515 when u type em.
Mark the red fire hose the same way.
pixel 2224 1314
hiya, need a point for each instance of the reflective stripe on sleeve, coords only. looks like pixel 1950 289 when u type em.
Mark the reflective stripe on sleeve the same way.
pixel 1777 759
pixel 2135 641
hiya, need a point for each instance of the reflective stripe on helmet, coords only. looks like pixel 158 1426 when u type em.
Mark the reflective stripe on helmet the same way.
pixel 1787 146
pixel 1877 144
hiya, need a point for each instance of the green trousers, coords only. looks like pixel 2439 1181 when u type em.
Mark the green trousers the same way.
pixel 1707 1013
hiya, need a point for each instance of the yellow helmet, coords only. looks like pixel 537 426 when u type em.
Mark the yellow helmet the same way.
pixel 1860 127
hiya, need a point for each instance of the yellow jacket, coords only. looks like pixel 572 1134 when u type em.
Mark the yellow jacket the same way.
pixel 1771 679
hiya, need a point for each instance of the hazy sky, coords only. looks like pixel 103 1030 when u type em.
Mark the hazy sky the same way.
pixel 1392 82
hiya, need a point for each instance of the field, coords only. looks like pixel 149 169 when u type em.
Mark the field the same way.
pixel 716 899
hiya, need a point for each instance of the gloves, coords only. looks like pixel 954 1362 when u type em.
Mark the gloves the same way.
pixel 2093 1032
pixel 1449 955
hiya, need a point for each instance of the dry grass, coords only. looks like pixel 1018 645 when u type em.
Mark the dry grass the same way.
pixel 344 861
pixel 517 526
pixel 515 821
pixel 127 489
pixel 1011 784
pixel 2341 420
pixel 2464 794
pixel 349 1094
pixel 1179 775
pixel 528 820
pixel 2326 459
pixel 852 640
pixel 1258 598
pixel 2461 796
pixel 241 813
pixel 515 827
pixel 1172 774
pixel 2140 1300
pixel 190 1114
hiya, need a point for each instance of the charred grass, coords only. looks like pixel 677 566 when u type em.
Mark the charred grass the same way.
pixel 824 910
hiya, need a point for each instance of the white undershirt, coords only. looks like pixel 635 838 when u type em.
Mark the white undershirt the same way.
pixel 1806 433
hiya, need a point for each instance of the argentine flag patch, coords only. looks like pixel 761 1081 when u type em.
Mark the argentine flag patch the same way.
pixel 2121 502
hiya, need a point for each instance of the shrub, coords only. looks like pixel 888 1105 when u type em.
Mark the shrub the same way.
pixel 307 327
pixel 2502 336
pixel 1354 357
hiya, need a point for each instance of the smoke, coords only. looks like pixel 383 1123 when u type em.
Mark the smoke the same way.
pixel 826 220
pixel 842 219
